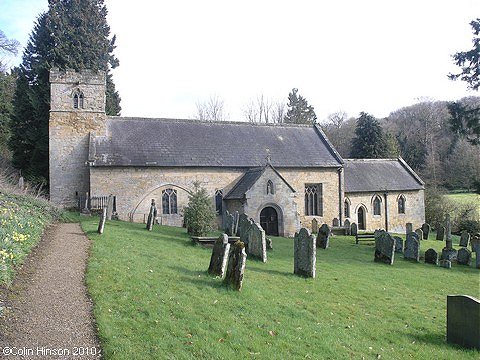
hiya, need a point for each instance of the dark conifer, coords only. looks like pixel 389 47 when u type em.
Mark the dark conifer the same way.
pixel 299 112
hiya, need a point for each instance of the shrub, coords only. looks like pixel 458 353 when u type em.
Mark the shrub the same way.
pixel 471 226
pixel 199 214
pixel 436 207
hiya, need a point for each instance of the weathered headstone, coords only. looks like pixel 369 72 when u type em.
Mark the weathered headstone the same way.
pixel 219 258
pixel 440 233
pixel 236 218
pixel 101 224
pixel 384 248
pixel 257 245
pixel 346 225
pixel 323 236
pixel 398 244
pixel 269 244
pixel 419 233
pixel 151 216
pixel 464 257
pixel 85 210
pixel 314 226
pixel 408 228
pixel 354 229
pixel 110 207
pixel 448 252
pixel 464 238
pixel 475 244
pixel 463 321
pixel 412 247
pixel 431 257
pixel 336 222
pixel 243 225
pixel 447 264
pixel 426 231
pixel 229 224
pixel 236 266
pixel 304 254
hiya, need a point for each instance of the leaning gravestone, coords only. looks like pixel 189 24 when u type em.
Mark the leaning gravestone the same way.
pixel 244 232
pixel 101 224
pixel 219 258
pixel 151 216
pixel 419 233
pixel 314 226
pixel 412 247
pixel 257 245
pixel 431 257
pixel 354 229
pixel 304 254
pixel 269 244
pixel 475 244
pixel 426 231
pixel 109 207
pixel 398 244
pixel 464 257
pixel 384 248
pixel 409 228
pixel 440 233
pixel 463 321
pixel 323 236
pixel 229 224
pixel 236 218
pixel 336 222
pixel 464 238
pixel 348 230
pixel 236 266
pixel 448 252
pixel 243 225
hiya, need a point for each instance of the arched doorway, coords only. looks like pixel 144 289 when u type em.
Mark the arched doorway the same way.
pixel 269 221
pixel 361 218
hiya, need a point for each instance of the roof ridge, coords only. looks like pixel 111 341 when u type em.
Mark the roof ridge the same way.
pixel 366 160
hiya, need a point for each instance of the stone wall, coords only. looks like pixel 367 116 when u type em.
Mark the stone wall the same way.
pixel 414 210
pixel 69 131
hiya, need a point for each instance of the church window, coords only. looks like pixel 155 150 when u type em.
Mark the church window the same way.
pixel 347 208
pixel 169 201
pixel 401 204
pixel 75 101
pixel 313 199
pixel 218 201
pixel 78 100
pixel 270 189
pixel 377 205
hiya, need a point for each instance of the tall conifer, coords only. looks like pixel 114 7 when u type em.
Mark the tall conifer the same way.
pixel 299 112
pixel 369 141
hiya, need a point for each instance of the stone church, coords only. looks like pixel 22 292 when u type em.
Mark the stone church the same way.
pixel 281 175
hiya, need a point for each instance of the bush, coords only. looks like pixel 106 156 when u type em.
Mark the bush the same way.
pixel 199 214
pixel 436 207
pixel 471 226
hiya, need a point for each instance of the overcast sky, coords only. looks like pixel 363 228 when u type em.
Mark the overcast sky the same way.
pixel 373 56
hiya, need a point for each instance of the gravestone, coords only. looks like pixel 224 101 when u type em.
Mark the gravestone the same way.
pixel 354 229
pixel 304 254
pixel 426 231
pixel 236 218
pixel 398 244
pixel 243 225
pixel 419 233
pixel 348 230
pixel 408 228
pixel 219 258
pixel 440 233
pixel 475 244
pixel 464 257
pixel 384 248
pixel 464 238
pixel 269 244
pixel 151 215
pixel 314 226
pixel 21 183
pixel 448 252
pixel 257 245
pixel 463 321
pixel 412 247
pixel 236 266
pixel 85 211
pixel 323 236
pixel 431 257
pixel 101 224
pixel 110 207
pixel 229 227
pixel 447 264
pixel 336 222
pixel 246 225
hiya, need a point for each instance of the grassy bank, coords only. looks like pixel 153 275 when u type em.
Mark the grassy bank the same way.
pixel 153 299
pixel 465 199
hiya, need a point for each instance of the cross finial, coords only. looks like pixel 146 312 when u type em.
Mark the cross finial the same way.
pixel 268 157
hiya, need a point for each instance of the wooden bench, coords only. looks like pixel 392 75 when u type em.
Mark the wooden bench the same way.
pixel 210 240
pixel 364 237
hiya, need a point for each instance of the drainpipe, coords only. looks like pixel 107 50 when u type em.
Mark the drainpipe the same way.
pixel 340 197
pixel 386 211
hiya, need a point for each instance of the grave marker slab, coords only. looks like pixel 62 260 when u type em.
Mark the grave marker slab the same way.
pixel 475 244
pixel 229 227
pixel 348 230
pixel 464 238
pixel 354 229
pixel 101 224
pixel 314 226
pixel 426 231
pixel 257 245
pixel 398 244
pixel 219 258
pixel 408 228
pixel 464 257
pixel 304 253
pixel 431 257
pixel 336 222
pixel 463 321
pixel 110 207
pixel 236 266
pixel 419 233
pixel 323 236
pixel 384 248
pixel 412 247
pixel 440 233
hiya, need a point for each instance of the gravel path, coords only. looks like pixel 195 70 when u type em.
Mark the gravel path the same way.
pixel 49 315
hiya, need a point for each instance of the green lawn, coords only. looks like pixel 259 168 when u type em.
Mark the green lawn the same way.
pixel 465 199
pixel 154 299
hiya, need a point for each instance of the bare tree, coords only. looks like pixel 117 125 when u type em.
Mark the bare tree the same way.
pixel 8 46
pixel 212 109
pixel 340 130
pixel 278 112
pixel 263 109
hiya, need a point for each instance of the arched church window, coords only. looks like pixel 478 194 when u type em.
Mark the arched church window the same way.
pixel 78 100
pixel 218 201
pixel 377 205
pixel 75 101
pixel 169 201
pixel 270 189
pixel 313 199
pixel 401 204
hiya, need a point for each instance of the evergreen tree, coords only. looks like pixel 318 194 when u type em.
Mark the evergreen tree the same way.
pixel 199 214
pixel 369 141
pixel 298 110
pixel 71 34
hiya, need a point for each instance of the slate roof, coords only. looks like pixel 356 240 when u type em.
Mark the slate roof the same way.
pixel 248 180
pixel 184 143
pixel 369 175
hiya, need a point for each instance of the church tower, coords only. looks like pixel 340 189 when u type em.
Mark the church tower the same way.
pixel 77 109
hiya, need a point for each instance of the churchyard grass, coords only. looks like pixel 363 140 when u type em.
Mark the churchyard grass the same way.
pixel 153 298
pixel 465 199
